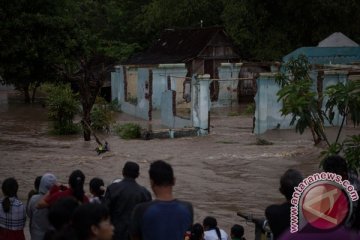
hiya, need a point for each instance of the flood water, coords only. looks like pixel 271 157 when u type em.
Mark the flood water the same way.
pixel 220 174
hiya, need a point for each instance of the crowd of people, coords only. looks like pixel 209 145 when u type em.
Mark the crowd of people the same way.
pixel 126 210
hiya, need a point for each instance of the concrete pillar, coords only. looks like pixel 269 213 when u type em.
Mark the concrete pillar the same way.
pixel 201 103
pixel 117 84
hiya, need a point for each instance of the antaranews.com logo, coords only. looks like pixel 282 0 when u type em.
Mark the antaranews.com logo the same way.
pixel 322 200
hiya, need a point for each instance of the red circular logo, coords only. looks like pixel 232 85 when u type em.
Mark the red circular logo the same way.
pixel 325 206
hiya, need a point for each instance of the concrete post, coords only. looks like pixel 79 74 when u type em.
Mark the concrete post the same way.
pixel 201 103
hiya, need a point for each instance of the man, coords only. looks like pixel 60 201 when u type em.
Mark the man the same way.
pixel 279 215
pixel 337 164
pixel 165 218
pixel 121 198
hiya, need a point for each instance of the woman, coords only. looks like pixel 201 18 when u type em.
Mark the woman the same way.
pixel 76 190
pixel 12 212
pixel 39 223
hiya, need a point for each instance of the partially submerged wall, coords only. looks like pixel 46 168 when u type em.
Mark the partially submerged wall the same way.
pixel 268 115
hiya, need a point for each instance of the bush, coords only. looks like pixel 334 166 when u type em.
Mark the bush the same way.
pixel 101 115
pixel 114 105
pixel 250 109
pixel 62 107
pixel 128 130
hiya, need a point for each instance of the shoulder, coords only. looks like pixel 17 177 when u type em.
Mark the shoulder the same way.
pixel 185 204
pixel 278 207
pixel 16 202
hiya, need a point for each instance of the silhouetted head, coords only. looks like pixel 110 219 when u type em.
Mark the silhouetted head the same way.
pixel 161 173
pixel 37 183
pixel 237 231
pixel 92 220
pixel 209 223
pixel 290 179
pixel 60 213
pixel 97 186
pixel 76 182
pixel 131 170
pixel 47 181
pixel 10 187
pixel 336 164
pixel 197 232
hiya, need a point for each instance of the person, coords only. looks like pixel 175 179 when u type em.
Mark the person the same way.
pixel 338 165
pixel 39 223
pixel 279 215
pixel 91 221
pixel 102 148
pixel 237 232
pixel 76 190
pixel 212 231
pixel 12 212
pixel 59 215
pixel 34 191
pixel 122 197
pixel 97 189
pixel 197 232
pixel 165 217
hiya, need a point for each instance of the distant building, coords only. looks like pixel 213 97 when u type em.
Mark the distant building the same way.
pixel 336 59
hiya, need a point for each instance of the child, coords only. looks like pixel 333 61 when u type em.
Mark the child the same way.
pixel 97 189
pixel 237 232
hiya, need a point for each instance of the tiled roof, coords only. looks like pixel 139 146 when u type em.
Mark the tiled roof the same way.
pixel 177 46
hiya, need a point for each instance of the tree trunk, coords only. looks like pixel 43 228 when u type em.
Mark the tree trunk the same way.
pixel 87 120
pixel 34 92
pixel 26 94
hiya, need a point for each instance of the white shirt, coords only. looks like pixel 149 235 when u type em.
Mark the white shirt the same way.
pixel 211 235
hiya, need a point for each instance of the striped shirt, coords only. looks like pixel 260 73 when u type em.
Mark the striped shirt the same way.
pixel 15 218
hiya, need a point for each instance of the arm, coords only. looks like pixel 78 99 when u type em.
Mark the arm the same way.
pixel 42 203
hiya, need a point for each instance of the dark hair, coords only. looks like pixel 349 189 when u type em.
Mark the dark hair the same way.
pixel 76 182
pixel 131 170
pixel 161 173
pixel 37 183
pixel 87 215
pixel 60 213
pixel 336 164
pixel 9 188
pixel 290 179
pixel 197 232
pixel 210 223
pixel 95 186
pixel 237 231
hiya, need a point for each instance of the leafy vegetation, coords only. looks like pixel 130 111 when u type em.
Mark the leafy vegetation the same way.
pixel 78 41
pixel 62 107
pixel 102 115
pixel 128 130
pixel 305 105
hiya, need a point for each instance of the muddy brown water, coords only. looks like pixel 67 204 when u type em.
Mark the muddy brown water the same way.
pixel 220 174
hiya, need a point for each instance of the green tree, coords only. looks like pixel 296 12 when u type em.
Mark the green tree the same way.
pixel 300 100
pixel 30 41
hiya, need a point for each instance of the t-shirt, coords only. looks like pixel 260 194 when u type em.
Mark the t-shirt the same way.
pixel 162 220
pixel 211 235
pixel 121 199
pixel 279 218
